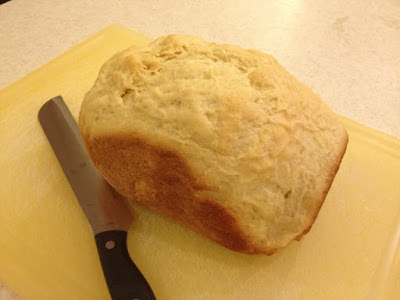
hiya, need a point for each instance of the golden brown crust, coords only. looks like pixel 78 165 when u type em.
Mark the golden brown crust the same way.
pixel 162 181
pixel 169 188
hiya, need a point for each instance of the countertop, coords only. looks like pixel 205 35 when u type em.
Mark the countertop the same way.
pixel 347 51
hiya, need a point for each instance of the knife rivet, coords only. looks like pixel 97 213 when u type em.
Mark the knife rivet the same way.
pixel 110 245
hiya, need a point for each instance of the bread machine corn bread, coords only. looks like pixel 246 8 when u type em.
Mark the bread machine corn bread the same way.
pixel 217 137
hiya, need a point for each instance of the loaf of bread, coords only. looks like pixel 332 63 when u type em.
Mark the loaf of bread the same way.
pixel 219 138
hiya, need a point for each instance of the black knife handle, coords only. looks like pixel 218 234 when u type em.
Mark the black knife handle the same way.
pixel 124 280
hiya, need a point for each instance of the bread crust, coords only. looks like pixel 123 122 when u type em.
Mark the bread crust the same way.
pixel 162 181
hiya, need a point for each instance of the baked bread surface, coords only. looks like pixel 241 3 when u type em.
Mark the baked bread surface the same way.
pixel 220 138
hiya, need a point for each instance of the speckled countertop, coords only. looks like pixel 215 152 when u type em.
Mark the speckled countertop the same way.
pixel 347 51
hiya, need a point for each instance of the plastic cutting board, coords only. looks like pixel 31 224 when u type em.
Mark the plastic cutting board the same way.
pixel 47 249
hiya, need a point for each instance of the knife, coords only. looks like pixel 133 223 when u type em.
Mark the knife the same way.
pixel 105 210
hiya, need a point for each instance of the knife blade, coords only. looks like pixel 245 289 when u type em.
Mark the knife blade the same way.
pixel 106 212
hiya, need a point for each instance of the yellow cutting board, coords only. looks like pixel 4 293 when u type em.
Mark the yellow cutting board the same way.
pixel 47 250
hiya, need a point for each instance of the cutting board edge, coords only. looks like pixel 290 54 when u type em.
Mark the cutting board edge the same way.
pixel 370 135
pixel 6 94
